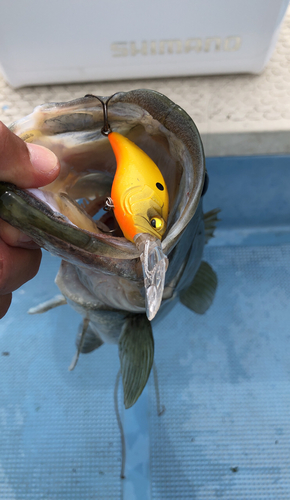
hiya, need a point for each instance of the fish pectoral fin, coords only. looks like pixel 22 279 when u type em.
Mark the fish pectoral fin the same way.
pixel 89 342
pixel 210 222
pixel 80 344
pixel 136 352
pixel 200 294
pixel 58 300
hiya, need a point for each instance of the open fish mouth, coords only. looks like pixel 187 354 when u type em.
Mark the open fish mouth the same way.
pixel 67 217
pixel 111 281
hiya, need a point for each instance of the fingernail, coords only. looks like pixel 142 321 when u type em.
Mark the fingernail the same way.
pixel 23 238
pixel 42 159
pixel 13 236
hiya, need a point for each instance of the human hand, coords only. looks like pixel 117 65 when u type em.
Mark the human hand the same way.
pixel 26 166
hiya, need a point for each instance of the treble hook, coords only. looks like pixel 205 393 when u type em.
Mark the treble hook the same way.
pixel 106 130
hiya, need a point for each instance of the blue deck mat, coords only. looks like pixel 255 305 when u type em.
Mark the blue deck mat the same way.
pixel 224 377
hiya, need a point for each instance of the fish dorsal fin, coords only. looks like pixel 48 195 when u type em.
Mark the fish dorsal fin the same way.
pixel 136 352
pixel 199 295
pixel 210 221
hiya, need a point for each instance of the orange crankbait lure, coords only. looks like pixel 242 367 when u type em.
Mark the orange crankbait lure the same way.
pixel 139 193
pixel 139 198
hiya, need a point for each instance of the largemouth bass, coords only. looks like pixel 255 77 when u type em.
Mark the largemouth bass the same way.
pixel 102 273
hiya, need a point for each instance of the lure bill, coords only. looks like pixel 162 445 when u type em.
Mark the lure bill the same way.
pixel 154 266
pixel 120 267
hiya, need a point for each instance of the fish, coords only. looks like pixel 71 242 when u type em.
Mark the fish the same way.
pixel 106 273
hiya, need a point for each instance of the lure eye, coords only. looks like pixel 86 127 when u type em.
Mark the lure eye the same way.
pixel 157 223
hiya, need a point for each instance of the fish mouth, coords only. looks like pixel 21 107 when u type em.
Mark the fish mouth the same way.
pixel 67 216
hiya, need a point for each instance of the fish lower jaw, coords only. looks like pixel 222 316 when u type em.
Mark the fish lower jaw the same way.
pixel 70 211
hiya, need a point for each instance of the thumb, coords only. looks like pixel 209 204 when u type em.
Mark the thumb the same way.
pixel 26 165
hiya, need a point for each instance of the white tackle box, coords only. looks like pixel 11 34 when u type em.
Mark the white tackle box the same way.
pixel 58 41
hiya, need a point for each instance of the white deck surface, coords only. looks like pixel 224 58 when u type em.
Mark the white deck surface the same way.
pixel 236 114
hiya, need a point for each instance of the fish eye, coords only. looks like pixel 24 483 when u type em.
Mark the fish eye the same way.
pixel 159 186
pixel 157 223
